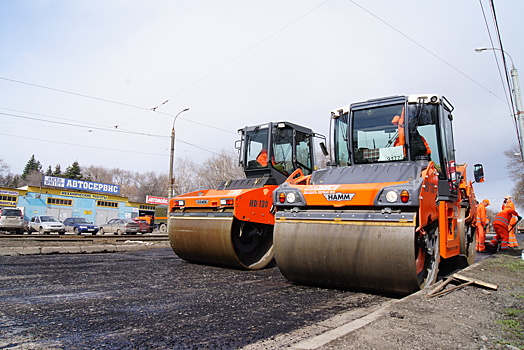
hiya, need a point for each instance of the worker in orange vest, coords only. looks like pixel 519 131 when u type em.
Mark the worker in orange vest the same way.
pixel 482 222
pixel 398 121
pixel 508 203
pixel 262 157
pixel 500 224
pixel 512 238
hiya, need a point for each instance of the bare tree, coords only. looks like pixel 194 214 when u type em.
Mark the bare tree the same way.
pixel 220 168
pixel 7 179
pixel 516 173
pixel 150 183
pixel 98 174
pixel 186 177
pixel 32 178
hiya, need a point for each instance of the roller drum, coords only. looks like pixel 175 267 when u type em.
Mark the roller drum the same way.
pixel 348 255
pixel 221 241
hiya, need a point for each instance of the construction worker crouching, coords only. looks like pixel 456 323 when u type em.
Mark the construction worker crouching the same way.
pixel 481 224
pixel 501 225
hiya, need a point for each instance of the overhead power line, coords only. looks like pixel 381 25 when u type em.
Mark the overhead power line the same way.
pixel 111 101
pixel 98 128
pixel 425 49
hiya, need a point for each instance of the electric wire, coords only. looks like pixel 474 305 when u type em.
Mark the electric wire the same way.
pixel 113 102
pixel 102 129
pixel 246 51
pixel 426 49
pixel 509 84
pixel 105 148
pixel 496 59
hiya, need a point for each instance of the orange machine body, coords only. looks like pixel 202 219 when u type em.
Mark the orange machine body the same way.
pixel 249 204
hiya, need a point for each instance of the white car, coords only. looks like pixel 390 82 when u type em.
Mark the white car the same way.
pixel 45 224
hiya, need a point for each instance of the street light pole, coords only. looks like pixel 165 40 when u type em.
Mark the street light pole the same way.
pixel 172 160
pixel 516 94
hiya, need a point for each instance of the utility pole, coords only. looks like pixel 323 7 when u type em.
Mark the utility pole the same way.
pixel 171 163
pixel 516 95
pixel 518 104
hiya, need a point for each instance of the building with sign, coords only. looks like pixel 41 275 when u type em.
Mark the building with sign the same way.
pixel 63 198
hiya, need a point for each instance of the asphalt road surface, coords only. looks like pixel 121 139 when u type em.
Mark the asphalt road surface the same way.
pixel 151 299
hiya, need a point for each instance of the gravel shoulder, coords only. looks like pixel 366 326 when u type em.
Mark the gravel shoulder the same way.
pixel 471 317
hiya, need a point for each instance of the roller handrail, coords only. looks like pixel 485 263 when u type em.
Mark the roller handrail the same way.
pixel 298 177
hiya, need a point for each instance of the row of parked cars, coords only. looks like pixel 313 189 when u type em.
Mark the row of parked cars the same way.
pixel 12 220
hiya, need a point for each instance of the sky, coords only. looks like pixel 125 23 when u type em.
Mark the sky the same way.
pixel 80 79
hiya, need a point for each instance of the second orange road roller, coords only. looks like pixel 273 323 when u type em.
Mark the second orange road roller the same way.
pixel 232 225
pixel 392 204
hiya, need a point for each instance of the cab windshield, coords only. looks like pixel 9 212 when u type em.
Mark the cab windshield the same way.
pixel 256 148
pixel 390 133
pixel 282 154
pixel 378 134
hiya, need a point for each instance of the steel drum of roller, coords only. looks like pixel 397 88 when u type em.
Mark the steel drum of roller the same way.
pixel 223 241
pixel 379 257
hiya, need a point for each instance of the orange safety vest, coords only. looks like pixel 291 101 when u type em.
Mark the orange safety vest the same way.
pixel 503 217
pixel 262 157
pixel 482 218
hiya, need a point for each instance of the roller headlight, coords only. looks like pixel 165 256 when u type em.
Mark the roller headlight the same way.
pixel 391 196
pixel 291 198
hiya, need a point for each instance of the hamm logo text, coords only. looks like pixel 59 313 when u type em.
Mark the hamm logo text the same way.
pixel 337 197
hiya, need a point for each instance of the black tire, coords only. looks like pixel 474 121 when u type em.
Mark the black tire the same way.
pixel 101 230
pixel 77 232
pixel 41 230
pixel 428 248
pixel 118 232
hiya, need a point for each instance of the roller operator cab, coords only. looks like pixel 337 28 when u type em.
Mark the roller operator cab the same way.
pixel 392 203
pixel 232 225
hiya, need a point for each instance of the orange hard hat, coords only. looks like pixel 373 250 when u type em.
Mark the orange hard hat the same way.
pixel 486 202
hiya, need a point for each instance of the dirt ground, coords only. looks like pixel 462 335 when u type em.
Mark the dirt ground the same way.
pixel 470 317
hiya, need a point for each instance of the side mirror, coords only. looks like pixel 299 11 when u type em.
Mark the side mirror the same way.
pixel 324 149
pixel 478 172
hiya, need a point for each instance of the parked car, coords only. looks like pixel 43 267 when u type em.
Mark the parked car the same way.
pixel 12 220
pixel 119 226
pixel 143 226
pixel 79 226
pixel 45 224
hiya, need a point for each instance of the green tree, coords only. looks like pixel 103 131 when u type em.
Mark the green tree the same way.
pixel 32 166
pixel 58 171
pixel 49 171
pixel 73 171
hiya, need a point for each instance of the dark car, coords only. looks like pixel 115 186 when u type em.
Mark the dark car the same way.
pixel 119 226
pixel 79 226
pixel 143 226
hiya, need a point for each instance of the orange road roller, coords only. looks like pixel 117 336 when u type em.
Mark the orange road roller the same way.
pixel 391 205
pixel 232 225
